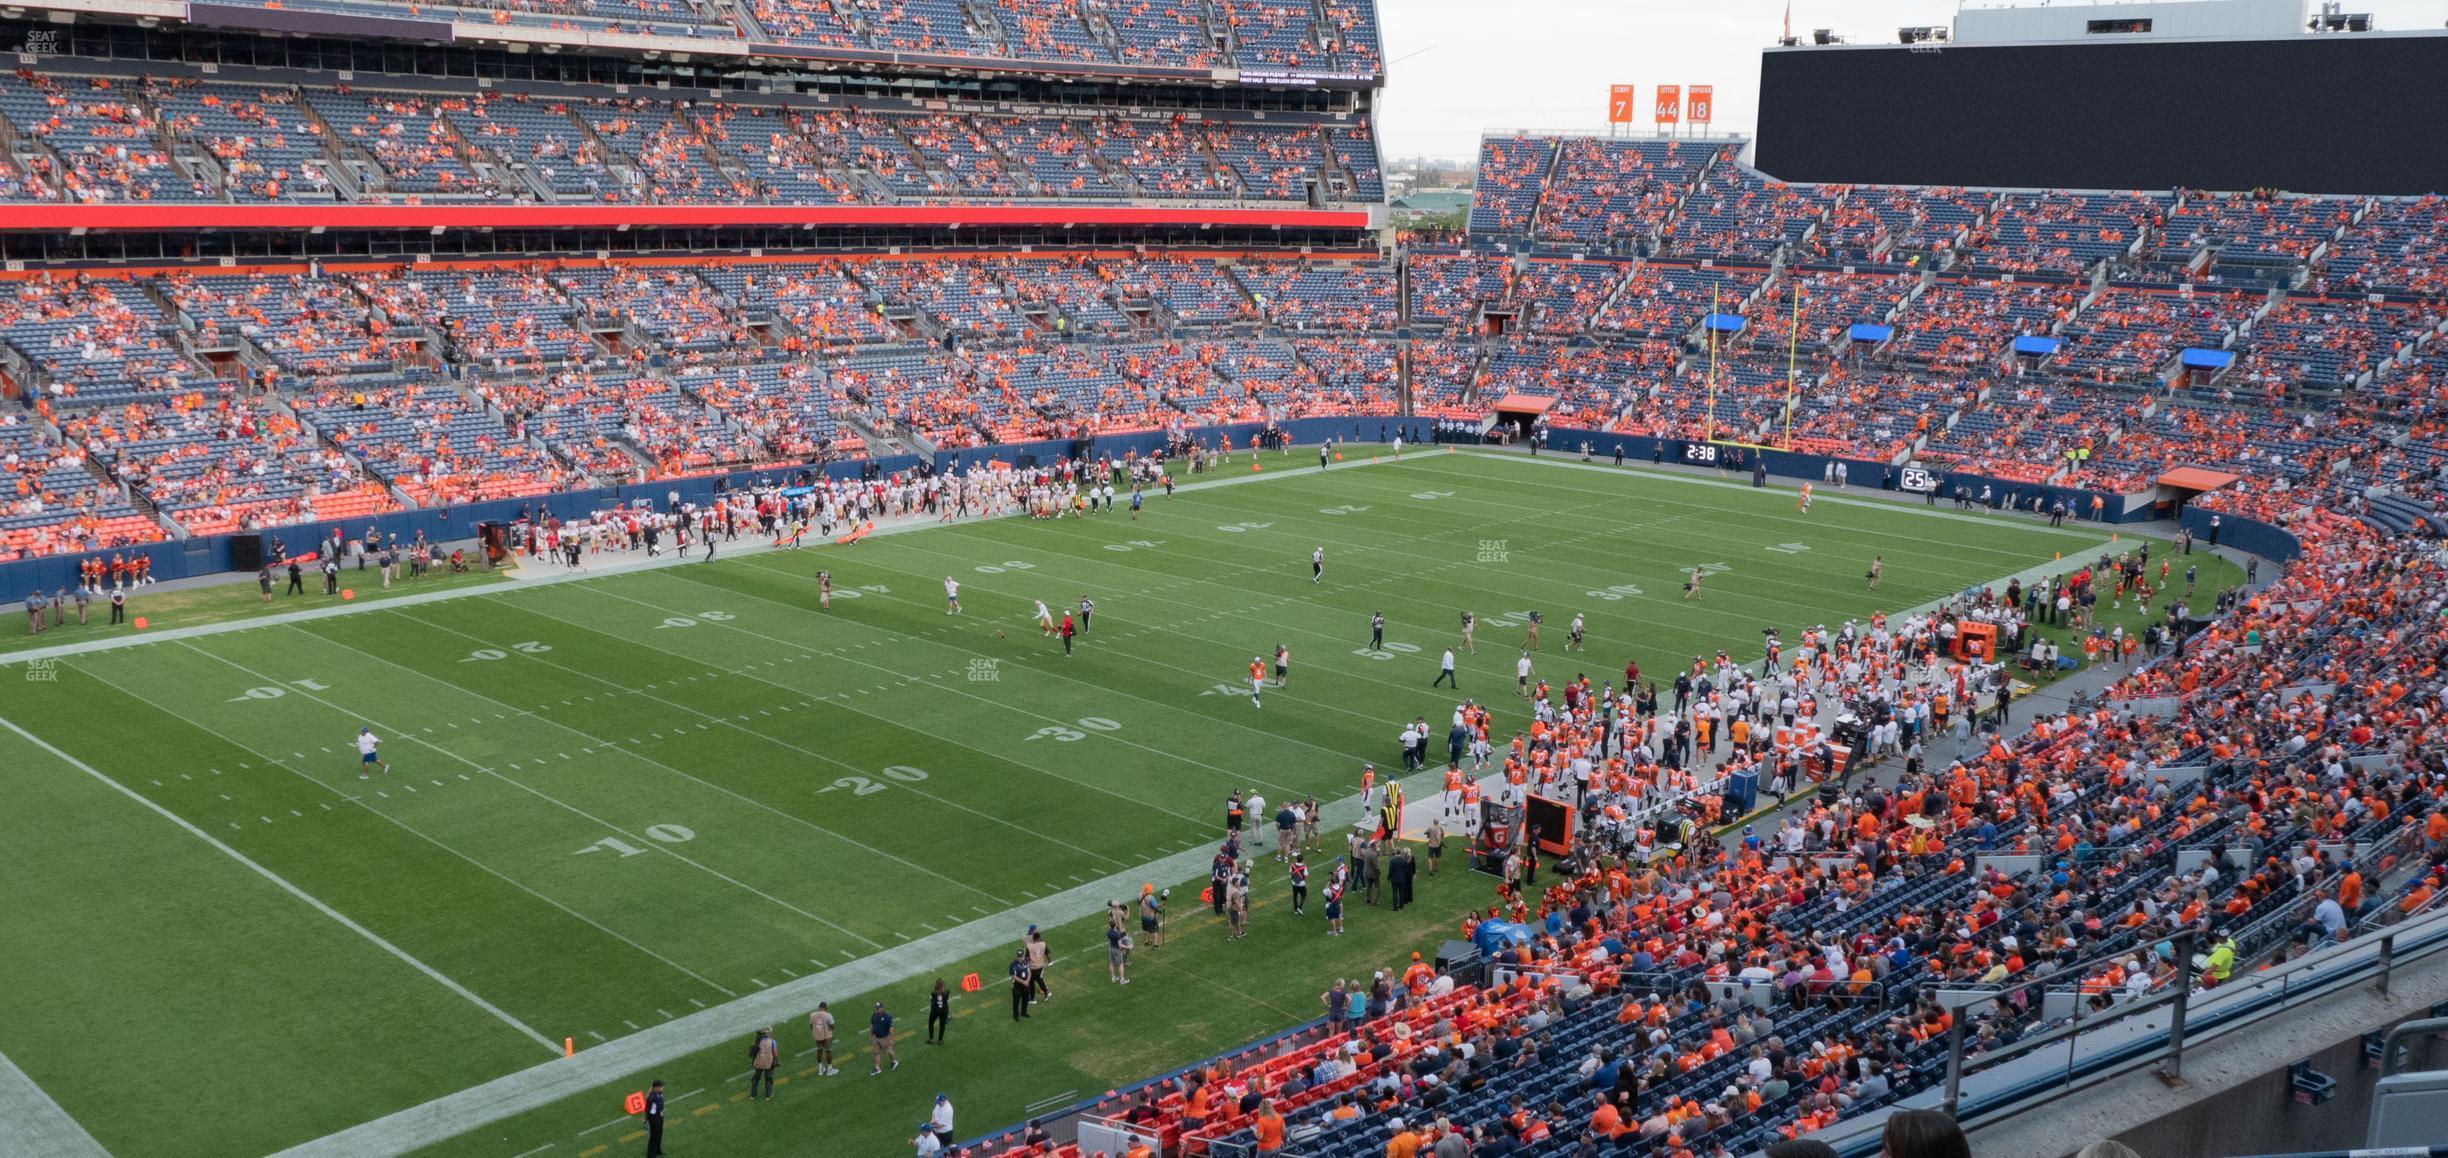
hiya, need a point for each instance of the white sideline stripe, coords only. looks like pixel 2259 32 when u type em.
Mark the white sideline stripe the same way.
pixel 516 1093
pixel 519 582
pixel 32 1123
pixel 286 887
pixel 1840 497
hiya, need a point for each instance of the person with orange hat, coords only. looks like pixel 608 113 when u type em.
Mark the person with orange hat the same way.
pixel 1151 916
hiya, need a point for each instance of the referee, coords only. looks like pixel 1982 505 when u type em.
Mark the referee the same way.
pixel 1020 984
pixel 654 1120
pixel 1087 612
pixel 1377 631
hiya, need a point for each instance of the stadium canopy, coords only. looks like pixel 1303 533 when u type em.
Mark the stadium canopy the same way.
pixel 2196 358
pixel 2194 478
pixel 1525 404
pixel 2036 347
pixel 1724 323
pixel 1865 332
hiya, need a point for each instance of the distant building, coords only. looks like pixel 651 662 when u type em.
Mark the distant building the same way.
pixel 1431 203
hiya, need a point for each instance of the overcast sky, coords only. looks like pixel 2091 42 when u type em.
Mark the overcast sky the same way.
pixel 1474 65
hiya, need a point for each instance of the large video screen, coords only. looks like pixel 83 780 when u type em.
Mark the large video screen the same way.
pixel 2347 113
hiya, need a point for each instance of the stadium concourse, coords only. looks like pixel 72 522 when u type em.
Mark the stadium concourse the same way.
pixel 1694 978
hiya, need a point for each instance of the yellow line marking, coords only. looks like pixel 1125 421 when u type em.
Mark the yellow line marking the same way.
pixel 592 1153
pixel 631 1136
pixel 699 1112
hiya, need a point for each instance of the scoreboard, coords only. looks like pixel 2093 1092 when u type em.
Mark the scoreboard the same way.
pixel 2345 113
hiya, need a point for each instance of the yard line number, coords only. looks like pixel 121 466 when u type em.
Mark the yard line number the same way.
pixel 274 692
pixel 862 786
pixel 694 620
pixel 1389 651
pixel 487 654
pixel 666 833
pixel 1065 735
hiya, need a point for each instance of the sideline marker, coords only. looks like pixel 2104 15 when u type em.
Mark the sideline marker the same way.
pixel 569 1047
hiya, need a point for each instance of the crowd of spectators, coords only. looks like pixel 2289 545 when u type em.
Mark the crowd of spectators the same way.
pixel 103 139
pixel 516 377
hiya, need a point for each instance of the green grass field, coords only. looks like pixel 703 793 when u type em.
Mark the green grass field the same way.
pixel 619 802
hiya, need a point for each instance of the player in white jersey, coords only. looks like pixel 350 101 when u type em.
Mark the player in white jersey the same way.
pixel 951 596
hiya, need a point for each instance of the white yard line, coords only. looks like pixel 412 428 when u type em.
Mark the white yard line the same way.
pixel 32 1123
pixel 636 1054
pixel 285 886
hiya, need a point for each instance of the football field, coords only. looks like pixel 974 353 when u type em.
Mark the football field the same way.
pixel 648 811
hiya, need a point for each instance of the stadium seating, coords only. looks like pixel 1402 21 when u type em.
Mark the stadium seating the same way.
pixel 1443 373
pixel 1666 299
pixel 1564 296
pixel 94 341
pixel 52 503
pixel 1338 38
pixel 216 465
pixel 2302 342
pixel 1830 302
pixel 100 139
pixel 788 408
pixel 2132 333
pixel 1592 385
pixel 1735 212
pixel 435 445
pixel 2062 233
pixel 1450 290
pixel 1612 192
pixel 1963 322
pixel 2397 245
pixel 1307 296
pixel 1512 172
pixel 309 328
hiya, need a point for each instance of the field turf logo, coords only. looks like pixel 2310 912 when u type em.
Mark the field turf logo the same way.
pixel 1494 551
pixel 985 671
pixel 42 671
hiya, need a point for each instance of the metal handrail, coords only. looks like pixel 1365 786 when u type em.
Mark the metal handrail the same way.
pixel 2326 972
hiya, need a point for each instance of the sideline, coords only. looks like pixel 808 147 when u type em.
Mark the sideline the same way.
pixel 32 1123
pixel 546 575
pixel 541 1085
